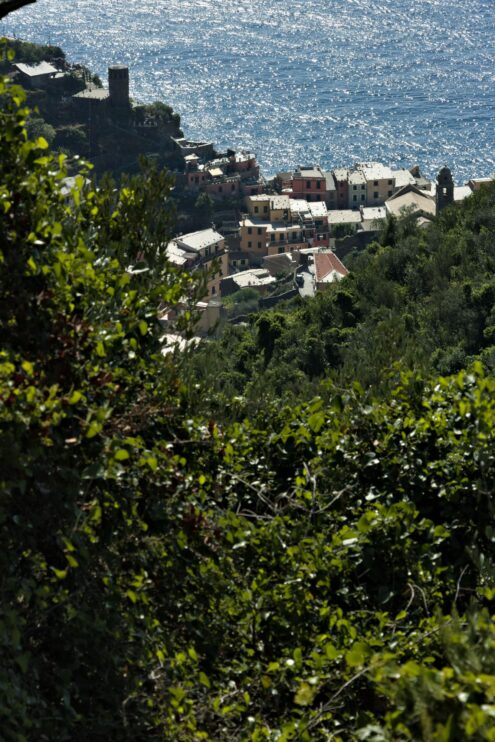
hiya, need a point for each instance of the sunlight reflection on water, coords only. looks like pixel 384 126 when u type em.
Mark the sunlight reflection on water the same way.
pixel 300 81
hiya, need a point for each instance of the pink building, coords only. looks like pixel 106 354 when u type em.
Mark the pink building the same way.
pixel 309 184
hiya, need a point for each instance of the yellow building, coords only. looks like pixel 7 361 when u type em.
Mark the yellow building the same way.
pixel 380 182
pixel 253 237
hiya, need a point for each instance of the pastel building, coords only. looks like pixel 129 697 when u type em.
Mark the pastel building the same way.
pixel 380 182
pixel 309 183
pixel 357 190
pixel 331 189
pixel 203 250
pixel 341 177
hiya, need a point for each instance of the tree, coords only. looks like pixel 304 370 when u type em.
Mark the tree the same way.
pixel 83 386
pixel 37 127
pixel 72 138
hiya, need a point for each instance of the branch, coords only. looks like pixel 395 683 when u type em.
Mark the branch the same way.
pixel 8 6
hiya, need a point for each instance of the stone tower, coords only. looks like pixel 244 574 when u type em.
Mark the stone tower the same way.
pixel 445 189
pixel 118 86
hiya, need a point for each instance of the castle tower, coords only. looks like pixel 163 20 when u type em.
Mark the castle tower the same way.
pixel 445 189
pixel 118 85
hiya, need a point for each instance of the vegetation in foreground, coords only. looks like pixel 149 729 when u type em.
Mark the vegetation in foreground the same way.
pixel 323 570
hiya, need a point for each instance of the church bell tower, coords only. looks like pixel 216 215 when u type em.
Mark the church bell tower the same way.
pixel 445 189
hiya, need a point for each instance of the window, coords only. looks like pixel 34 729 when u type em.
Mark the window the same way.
pixel 308 184
pixel 280 250
pixel 250 244
pixel 281 237
pixel 354 198
pixel 259 230
pixel 318 184
pixel 354 188
pixel 375 194
pixel 362 197
pixel 390 182
pixel 234 263
pixel 375 182
pixel 213 290
pixel 272 237
pixel 220 189
pixel 256 209
pixel 250 230
pixel 390 193
pixel 265 209
pixel 259 244
pixel 196 179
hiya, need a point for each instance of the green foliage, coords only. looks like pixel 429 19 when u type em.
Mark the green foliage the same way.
pixel 33 54
pixel 71 138
pixel 204 203
pixel 37 127
pixel 161 111
pixel 422 300
pixel 322 570
pixel 81 376
pixel 343 230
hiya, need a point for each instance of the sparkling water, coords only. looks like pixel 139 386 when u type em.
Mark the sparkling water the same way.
pixel 300 81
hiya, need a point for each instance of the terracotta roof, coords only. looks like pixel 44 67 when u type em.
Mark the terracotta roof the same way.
pixel 327 263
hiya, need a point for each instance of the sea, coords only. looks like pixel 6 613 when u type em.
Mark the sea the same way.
pixel 300 82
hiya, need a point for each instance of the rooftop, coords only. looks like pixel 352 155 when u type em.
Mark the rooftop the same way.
pixel 462 192
pixel 283 227
pixel 411 200
pixel 279 202
pixel 357 178
pixel 244 156
pixel 345 216
pixel 309 172
pixel 196 241
pixel 299 206
pixel 175 255
pixel 328 267
pixel 92 94
pixel 375 170
pixel 43 68
pixel 253 277
pixel 318 209
pixel 330 180
pixel 370 213
pixel 403 177
pixel 251 221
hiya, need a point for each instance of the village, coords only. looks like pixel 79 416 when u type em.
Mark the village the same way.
pixel 262 241
pixel 294 231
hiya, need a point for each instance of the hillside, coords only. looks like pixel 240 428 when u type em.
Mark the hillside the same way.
pixel 173 568
pixel 421 299
pixel 113 137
